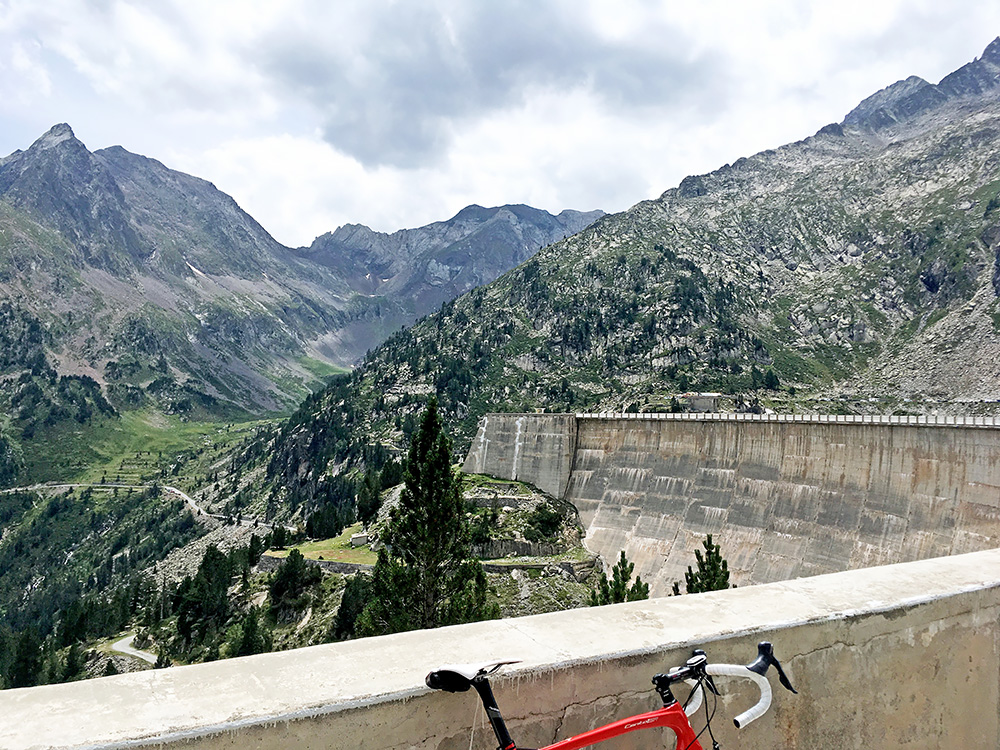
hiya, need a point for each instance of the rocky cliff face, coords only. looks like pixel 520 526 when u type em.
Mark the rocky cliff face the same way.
pixel 405 275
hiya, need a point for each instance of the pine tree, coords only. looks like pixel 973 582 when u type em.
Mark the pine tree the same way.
pixel 291 580
pixel 712 573
pixel 253 636
pixel 369 498
pixel 254 550
pixel 74 664
pixel 27 668
pixel 356 594
pixel 425 576
pixel 203 601
pixel 617 590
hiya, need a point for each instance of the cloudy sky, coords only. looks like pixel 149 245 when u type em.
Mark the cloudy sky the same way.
pixel 315 113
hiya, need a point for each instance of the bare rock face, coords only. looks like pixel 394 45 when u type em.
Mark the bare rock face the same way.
pixel 405 275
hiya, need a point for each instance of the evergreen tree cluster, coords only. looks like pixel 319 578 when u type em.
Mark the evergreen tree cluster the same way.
pixel 203 605
pixel 711 572
pixel 86 543
pixel 329 427
pixel 45 400
pixel 22 341
pixel 618 588
pixel 11 460
pixel 288 589
pixel 425 575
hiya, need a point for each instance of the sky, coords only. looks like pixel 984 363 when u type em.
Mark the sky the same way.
pixel 398 113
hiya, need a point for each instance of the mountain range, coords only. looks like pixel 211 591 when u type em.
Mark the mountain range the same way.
pixel 158 287
pixel 859 265
pixel 405 275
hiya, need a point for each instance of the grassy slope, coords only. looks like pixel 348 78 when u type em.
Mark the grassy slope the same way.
pixel 134 448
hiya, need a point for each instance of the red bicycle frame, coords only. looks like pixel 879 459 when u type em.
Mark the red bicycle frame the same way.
pixel 696 672
pixel 670 717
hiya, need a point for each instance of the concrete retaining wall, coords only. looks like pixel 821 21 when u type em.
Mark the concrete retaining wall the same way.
pixel 884 658
pixel 533 448
pixel 786 496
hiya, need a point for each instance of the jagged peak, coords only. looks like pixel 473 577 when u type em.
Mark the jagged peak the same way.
pixel 992 52
pixel 474 212
pixel 56 134
pixel 913 96
pixel 349 232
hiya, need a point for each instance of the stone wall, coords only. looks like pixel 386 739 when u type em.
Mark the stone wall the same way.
pixel 897 656
pixel 786 496
pixel 269 563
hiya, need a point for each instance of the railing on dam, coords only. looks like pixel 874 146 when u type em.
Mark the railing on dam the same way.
pixel 902 655
pixel 932 420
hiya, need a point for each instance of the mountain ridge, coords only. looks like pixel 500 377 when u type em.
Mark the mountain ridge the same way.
pixel 407 274
pixel 158 290
pixel 855 263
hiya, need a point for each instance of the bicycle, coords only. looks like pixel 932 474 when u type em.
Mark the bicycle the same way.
pixel 696 672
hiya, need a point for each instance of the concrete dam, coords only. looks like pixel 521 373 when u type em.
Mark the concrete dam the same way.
pixel 786 496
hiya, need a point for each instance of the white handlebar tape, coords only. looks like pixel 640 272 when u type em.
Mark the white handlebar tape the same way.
pixel 755 711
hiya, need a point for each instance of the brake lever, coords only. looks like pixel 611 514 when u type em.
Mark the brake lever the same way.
pixel 765 658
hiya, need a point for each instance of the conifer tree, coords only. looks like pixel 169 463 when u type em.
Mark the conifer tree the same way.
pixel 369 498
pixel 291 580
pixel 253 637
pixel 162 659
pixel 425 576
pixel 712 573
pixel 27 667
pixel 617 590
pixel 356 594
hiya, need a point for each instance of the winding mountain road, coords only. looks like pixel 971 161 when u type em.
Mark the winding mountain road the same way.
pixel 188 500
pixel 124 646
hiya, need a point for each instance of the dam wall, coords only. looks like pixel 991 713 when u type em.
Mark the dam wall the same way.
pixel 785 496
pixel 897 656
pixel 533 448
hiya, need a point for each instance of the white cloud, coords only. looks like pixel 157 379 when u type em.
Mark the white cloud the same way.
pixel 23 78
pixel 314 114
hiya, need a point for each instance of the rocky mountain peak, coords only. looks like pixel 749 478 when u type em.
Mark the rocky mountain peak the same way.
pixel 905 100
pixel 896 103
pixel 992 52
pixel 54 136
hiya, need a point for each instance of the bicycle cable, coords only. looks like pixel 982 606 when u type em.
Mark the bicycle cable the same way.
pixel 472 734
pixel 708 716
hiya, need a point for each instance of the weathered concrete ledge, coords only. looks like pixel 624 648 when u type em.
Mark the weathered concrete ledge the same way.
pixel 924 420
pixel 897 656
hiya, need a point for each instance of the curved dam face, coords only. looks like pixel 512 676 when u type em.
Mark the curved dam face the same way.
pixel 785 497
